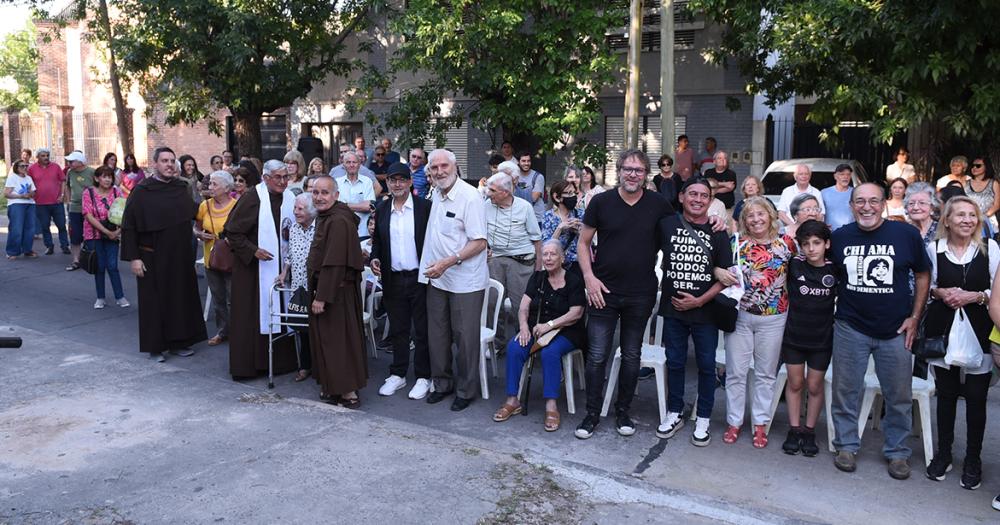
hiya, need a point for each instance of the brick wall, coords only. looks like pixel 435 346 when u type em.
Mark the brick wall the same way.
pixel 195 140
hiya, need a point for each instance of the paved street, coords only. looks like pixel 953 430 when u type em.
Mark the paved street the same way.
pixel 93 432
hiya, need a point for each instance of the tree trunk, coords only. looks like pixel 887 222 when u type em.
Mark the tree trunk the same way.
pixel 246 127
pixel 123 116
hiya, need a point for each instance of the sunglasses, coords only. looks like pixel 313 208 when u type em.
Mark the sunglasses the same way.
pixel 977 165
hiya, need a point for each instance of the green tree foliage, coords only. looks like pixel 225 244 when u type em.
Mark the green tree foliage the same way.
pixel 534 68
pixel 18 70
pixel 896 63
pixel 194 57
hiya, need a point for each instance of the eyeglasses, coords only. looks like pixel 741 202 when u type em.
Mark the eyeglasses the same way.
pixel 977 165
pixel 280 177
pixel 629 170
pixel 918 204
pixel 377 154
pixel 810 209
pixel 873 202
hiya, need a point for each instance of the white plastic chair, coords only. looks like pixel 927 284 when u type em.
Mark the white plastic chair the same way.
pixel 208 292
pixel 368 312
pixel 922 390
pixel 653 356
pixel 488 332
pixel 568 361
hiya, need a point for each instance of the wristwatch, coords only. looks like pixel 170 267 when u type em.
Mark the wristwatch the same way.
pixel 458 260
pixel 551 324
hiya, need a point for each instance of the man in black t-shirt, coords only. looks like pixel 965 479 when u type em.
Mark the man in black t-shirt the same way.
pixel 687 290
pixel 621 283
pixel 726 178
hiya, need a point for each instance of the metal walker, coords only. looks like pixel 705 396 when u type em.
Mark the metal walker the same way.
pixel 279 319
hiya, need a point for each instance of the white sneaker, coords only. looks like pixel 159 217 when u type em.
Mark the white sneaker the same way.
pixel 183 352
pixel 670 426
pixel 701 437
pixel 123 302
pixel 391 385
pixel 420 389
pixel 159 357
pixel 99 304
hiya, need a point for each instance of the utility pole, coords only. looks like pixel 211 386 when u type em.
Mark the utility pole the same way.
pixel 667 131
pixel 632 90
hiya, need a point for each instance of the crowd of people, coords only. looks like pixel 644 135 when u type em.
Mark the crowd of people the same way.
pixel 829 284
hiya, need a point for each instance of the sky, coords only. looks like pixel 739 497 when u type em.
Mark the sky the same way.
pixel 12 18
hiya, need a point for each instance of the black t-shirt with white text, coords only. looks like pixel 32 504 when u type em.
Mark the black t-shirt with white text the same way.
pixel 873 295
pixel 686 266
pixel 626 240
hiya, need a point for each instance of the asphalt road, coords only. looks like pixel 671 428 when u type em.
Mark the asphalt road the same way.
pixel 93 432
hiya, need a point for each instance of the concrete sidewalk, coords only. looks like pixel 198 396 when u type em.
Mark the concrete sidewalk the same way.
pixel 235 454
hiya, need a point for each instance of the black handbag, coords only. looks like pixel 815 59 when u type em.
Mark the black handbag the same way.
pixel 927 348
pixel 300 303
pixel 88 259
pixel 723 308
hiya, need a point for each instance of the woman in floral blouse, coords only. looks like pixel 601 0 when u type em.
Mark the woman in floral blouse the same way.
pixel 564 220
pixel 762 258
pixel 300 237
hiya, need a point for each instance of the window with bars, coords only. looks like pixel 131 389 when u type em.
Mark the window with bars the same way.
pixel 650 140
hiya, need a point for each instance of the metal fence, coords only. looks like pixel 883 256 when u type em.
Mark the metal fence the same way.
pixel 787 139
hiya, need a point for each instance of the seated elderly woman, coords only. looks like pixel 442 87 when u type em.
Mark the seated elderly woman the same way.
pixel 553 301
pixel 803 208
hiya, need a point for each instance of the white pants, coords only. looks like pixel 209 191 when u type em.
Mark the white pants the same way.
pixel 756 343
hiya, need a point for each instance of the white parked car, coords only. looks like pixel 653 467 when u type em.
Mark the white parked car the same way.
pixel 781 174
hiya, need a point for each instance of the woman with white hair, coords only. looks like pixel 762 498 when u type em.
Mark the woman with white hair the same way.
pixel 300 237
pixel 209 223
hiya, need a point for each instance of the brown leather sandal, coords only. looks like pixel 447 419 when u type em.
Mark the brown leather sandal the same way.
pixel 504 412
pixel 551 420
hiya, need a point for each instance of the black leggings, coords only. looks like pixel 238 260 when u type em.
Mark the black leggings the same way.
pixel 974 391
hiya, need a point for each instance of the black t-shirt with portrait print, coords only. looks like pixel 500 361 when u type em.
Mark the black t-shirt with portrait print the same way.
pixel 873 289
pixel 686 266
pixel 555 303
pixel 627 242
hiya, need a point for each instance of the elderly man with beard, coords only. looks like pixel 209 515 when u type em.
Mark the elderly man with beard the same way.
pixel 257 233
pixel 400 228
pixel 454 267
pixel 335 331
pixel 156 239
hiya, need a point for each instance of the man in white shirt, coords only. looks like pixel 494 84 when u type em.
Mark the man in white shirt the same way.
pixel 454 265
pixel 515 247
pixel 803 174
pixel 338 171
pixel 357 192
pixel 398 240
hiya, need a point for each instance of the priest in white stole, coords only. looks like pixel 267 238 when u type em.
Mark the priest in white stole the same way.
pixel 259 239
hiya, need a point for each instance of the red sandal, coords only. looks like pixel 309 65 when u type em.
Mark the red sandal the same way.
pixel 731 435
pixel 759 436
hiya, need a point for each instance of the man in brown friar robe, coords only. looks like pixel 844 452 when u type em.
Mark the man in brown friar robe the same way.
pixel 254 232
pixel 156 239
pixel 335 327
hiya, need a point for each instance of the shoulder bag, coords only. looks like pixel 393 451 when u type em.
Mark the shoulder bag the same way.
pixel 221 257
pixel 723 308
pixel 547 337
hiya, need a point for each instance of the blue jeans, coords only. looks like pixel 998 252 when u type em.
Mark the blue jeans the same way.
pixel 551 357
pixel 894 369
pixel 20 228
pixel 706 339
pixel 45 214
pixel 75 228
pixel 633 313
pixel 107 261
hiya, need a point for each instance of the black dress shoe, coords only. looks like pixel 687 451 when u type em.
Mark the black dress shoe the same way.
pixel 460 404
pixel 437 397
pixel 49 250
